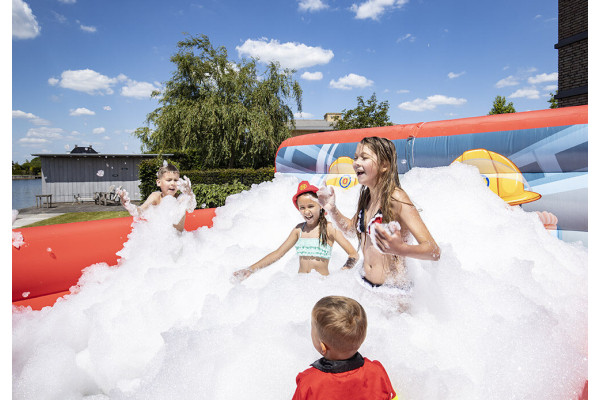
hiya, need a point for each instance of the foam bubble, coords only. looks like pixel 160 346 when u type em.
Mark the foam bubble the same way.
pixel 503 314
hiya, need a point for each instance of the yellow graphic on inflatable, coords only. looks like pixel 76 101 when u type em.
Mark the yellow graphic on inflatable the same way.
pixel 341 173
pixel 502 175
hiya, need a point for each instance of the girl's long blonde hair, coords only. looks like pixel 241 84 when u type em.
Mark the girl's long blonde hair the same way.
pixel 387 181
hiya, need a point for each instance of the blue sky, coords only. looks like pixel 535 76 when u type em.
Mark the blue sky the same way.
pixel 82 70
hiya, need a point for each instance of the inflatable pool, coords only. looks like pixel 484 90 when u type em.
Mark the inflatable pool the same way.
pixel 167 323
pixel 52 257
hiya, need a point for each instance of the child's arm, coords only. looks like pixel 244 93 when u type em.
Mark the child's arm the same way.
pixel 269 258
pixel 327 200
pixel 345 244
pixel 426 249
pixel 133 209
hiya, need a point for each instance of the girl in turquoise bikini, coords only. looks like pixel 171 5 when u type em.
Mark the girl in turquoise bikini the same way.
pixel 312 238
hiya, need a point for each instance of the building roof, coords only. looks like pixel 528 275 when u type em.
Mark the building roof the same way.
pixel 80 150
pixel 313 124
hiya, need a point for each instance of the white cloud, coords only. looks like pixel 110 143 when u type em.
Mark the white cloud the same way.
pixel 67 1
pixel 431 102
pixel 349 81
pixel 106 138
pixel 80 111
pixel 98 131
pixel 86 28
pixel 33 141
pixel 59 17
pixel 290 55
pixel 138 90
pixel 551 87
pixel 453 75
pixel 375 8
pixel 106 108
pixel 508 81
pixel 311 5
pixel 24 24
pixel 402 91
pixel 408 37
pixel 541 78
pixel 312 76
pixel 45 133
pixel 299 115
pixel 529 93
pixel 85 80
pixel 33 118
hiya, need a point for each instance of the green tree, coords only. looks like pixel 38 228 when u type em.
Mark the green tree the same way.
pixel 364 115
pixel 553 102
pixel 500 106
pixel 225 112
pixel 17 169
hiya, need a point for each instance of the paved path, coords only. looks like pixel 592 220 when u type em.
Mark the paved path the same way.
pixel 30 215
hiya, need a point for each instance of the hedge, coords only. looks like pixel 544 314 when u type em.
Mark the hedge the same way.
pixel 211 186
pixel 211 195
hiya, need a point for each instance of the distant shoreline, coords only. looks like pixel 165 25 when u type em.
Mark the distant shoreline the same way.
pixel 19 177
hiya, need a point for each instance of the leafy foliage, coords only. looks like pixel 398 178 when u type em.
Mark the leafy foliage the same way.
pixel 246 176
pixel 33 167
pixel 367 115
pixel 553 102
pixel 225 112
pixel 500 106
pixel 214 195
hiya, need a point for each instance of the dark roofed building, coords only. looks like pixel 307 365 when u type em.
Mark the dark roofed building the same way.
pixel 83 150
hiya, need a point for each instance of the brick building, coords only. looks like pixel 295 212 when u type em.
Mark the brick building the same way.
pixel 572 49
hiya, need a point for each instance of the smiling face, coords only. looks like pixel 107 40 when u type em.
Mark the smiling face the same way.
pixel 309 207
pixel 168 183
pixel 366 166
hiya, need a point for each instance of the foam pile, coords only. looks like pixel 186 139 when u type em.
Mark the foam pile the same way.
pixel 503 314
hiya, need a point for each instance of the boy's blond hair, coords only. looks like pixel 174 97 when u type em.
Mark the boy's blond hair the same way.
pixel 166 167
pixel 341 323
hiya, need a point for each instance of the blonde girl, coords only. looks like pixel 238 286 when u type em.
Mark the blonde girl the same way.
pixel 382 201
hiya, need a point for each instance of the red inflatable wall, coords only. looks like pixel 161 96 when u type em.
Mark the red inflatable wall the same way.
pixel 53 256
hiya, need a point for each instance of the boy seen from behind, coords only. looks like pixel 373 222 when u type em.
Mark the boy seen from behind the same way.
pixel 338 328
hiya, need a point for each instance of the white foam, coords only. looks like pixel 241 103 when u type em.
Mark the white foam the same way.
pixel 503 314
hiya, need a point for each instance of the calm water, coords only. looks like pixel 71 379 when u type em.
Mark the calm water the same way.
pixel 24 191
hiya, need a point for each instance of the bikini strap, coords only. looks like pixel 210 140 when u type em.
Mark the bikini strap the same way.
pixel 301 229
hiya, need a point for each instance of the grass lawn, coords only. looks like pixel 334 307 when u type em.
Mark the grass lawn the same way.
pixel 80 216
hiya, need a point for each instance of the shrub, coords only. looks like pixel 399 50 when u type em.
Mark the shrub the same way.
pixel 211 195
pixel 246 176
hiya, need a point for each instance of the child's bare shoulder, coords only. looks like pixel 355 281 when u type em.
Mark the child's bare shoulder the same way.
pixel 155 197
pixel 399 198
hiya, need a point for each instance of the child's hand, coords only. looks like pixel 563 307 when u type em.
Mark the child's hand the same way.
pixel 126 202
pixel 240 275
pixel 388 238
pixel 185 185
pixel 326 197
pixel 350 263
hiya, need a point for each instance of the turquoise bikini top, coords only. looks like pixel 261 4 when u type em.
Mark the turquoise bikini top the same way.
pixel 312 247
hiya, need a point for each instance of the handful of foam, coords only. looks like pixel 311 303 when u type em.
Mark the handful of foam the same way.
pixel 390 227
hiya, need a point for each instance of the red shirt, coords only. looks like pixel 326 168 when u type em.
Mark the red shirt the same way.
pixel 366 382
